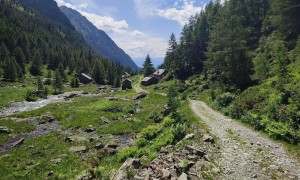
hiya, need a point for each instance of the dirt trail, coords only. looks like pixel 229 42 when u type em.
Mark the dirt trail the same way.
pixel 137 87
pixel 244 154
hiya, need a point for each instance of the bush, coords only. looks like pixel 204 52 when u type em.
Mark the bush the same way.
pixel 179 131
pixel 141 142
pixel 224 99
pixel 282 131
pixel 29 96
pixel 168 121
pixel 155 116
pixel 151 132
pixel 125 153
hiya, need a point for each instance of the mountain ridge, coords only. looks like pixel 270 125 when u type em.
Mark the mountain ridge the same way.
pixel 98 39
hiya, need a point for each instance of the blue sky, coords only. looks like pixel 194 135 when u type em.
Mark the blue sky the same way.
pixel 139 27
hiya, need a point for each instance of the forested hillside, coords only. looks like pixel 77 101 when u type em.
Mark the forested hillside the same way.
pixel 248 55
pixel 48 9
pixel 30 43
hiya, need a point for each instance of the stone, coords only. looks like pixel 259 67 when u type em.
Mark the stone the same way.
pixel 140 96
pixel 166 174
pixel 76 139
pixel 89 130
pixel 99 146
pixel 198 152
pixel 189 136
pixel 70 96
pixel 19 142
pixel 122 172
pixel 51 173
pixel 105 120
pixel 45 119
pixel 55 161
pixel 208 138
pixel 111 98
pixel 78 149
pixel 4 130
pixel 183 176
pixel 112 146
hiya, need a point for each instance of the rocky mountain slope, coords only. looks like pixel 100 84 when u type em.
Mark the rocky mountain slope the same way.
pixel 98 39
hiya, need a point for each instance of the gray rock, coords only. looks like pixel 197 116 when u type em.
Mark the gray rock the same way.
pixel 111 98
pixel 78 149
pixel 112 146
pixel 55 161
pixel 105 120
pixel 208 138
pixel 196 151
pixel 189 136
pixel 140 96
pixel 99 146
pixel 76 139
pixel 183 176
pixel 4 130
pixel 166 174
pixel 89 130
pixel 45 119
pixel 121 173
pixel 18 143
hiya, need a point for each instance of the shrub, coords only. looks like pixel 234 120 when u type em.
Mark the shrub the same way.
pixel 225 99
pixel 168 121
pixel 141 142
pixel 151 132
pixel 179 131
pixel 125 153
pixel 29 96
pixel 282 131
pixel 156 117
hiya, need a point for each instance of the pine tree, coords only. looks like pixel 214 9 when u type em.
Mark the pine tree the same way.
pixel 10 70
pixel 99 73
pixel 148 68
pixel 169 61
pixel 20 58
pixel 62 72
pixel 35 68
pixel 117 82
pixel 40 85
pixel 57 83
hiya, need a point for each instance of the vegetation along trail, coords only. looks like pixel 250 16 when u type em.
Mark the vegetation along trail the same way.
pixel 244 154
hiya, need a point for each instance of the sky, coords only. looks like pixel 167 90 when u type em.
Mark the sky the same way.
pixel 139 27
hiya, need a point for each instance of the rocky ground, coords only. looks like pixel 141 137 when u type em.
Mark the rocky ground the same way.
pixel 244 154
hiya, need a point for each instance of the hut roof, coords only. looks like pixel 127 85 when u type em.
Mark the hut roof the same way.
pixel 146 79
pixel 159 72
pixel 86 76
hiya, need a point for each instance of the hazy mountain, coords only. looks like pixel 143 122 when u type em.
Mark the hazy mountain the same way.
pixel 48 9
pixel 98 39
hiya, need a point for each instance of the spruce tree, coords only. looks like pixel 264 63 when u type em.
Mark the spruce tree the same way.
pixel 62 72
pixel 148 68
pixel 99 73
pixel 20 58
pixel 10 70
pixel 35 68
pixel 117 82
pixel 57 83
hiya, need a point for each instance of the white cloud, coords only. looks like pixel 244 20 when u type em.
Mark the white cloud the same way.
pixel 134 42
pixel 182 14
pixel 180 11
pixel 105 23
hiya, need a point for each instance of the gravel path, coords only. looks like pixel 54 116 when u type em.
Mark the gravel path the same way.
pixel 244 154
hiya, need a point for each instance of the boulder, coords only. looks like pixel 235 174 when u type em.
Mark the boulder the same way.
pixel 196 151
pixel 18 143
pixel 166 174
pixel 70 96
pixel 76 139
pixel 99 146
pixel 4 130
pixel 111 98
pixel 112 146
pixel 78 149
pixel 89 130
pixel 183 176
pixel 140 96
pixel 45 119
pixel 122 172
pixel 208 138
pixel 189 136
pixel 105 120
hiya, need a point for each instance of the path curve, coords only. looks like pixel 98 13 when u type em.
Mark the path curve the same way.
pixel 244 154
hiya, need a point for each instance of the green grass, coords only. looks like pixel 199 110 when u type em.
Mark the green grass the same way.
pixel 15 128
